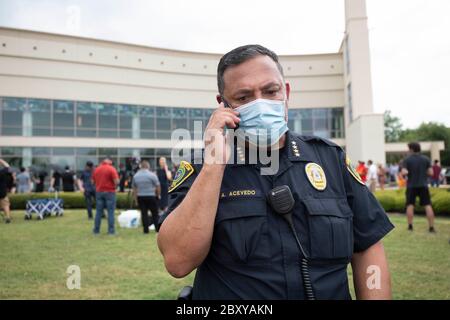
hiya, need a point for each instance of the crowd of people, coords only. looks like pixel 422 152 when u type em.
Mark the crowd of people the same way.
pixel 149 188
pixel 379 176
pixel 99 184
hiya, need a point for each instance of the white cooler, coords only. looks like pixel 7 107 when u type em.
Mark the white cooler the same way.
pixel 129 219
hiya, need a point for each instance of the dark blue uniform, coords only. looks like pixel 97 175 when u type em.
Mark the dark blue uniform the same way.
pixel 253 253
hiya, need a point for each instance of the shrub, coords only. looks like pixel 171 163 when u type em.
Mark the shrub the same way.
pixel 391 200
pixel 72 200
pixel 394 200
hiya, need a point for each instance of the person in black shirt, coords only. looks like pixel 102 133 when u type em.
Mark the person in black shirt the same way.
pixel 164 176
pixel 55 183
pixel 40 181
pixel 87 188
pixel 418 168
pixel 123 176
pixel 68 180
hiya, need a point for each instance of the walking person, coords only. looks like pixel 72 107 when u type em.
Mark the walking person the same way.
pixel 146 190
pixel 381 172
pixel 123 176
pixel 164 176
pixel 436 178
pixel 393 173
pixel 106 179
pixel 55 181
pixel 418 168
pixel 362 170
pixel 68 180
pixel 40 180
pixel 23 181
pixel 87 188
pixel 372 176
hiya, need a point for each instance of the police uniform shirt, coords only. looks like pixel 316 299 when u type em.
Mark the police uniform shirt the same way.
pixel 253 253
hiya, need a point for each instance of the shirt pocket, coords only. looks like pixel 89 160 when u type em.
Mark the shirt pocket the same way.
pixel 241 231
pixel 330 228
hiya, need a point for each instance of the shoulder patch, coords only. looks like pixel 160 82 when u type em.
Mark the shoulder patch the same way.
pixel 353 171
pixel 185 170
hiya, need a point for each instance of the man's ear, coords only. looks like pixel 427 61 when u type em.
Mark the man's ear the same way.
pixel 288 92
pixel 288 89
pixel 219 99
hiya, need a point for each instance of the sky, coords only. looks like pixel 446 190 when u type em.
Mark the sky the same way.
pixel 409 39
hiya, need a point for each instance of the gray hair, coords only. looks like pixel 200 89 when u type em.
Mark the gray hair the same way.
pixel 240 55
pixel 145 164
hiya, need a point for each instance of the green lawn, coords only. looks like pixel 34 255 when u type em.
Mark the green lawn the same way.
pixel 34 256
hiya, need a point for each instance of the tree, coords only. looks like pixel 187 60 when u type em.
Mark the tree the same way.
pixel 430 131
pixel 392 127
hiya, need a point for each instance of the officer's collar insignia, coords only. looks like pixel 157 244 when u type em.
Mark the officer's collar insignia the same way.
pixel 295 148
pixel 353 171
pixel 316 176
pixel 298 150
pixel 184 171
pixel 240 155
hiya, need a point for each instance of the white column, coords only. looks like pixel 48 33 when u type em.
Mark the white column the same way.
pixel 358 54
pixel 26 157
pixel 136 127
pixel 27 123
pixel 364 128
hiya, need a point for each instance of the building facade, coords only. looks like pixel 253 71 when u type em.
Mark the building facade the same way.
pixel 65 100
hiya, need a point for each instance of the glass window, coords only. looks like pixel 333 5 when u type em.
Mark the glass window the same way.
pixel 196 113
pixel 126 115
pixel 147 134
pixel 163 116
pixel 41 116
pixel 86 151
pixel 147 152
pixel 41 164
pixel 9 151
pixel 11 131
pixel 63 118
pixel 337 124
pixel 60 162
pixel 306 125
pixel 163 152
pixel 12 115
pixel 14 162
pixel 107 120
pixel 196 116
pixel 320 113
pixel 128 152
pixel 147 122
pixel 86 119
pixel 80 162
pixel 179 118
pixel 41 151
pixel 63 151
pixel 349 102
pixel 107 152
pixel 164 134
pixel 12 111
pixel 306 113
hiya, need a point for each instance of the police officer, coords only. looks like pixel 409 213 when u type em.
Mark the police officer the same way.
pixel 220 222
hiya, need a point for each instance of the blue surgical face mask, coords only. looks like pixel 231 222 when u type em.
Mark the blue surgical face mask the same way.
pixel 262 122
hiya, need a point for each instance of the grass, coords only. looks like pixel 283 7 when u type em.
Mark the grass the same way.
pixel 34 256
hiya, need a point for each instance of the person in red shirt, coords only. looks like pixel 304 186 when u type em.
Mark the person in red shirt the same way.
pixel 436 177
pixel 362 171
pixel 106 179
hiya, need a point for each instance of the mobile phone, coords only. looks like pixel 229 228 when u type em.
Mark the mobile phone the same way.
pixel 226 105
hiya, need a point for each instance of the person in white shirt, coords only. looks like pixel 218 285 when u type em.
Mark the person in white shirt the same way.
pixel 372 176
